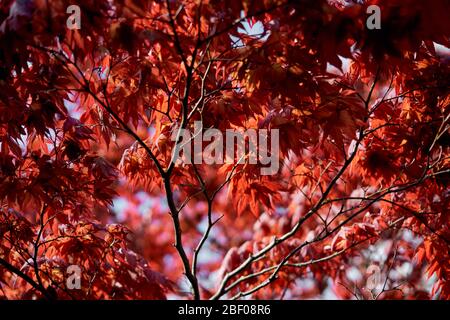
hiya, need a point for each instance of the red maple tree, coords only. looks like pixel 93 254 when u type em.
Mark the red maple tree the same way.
pixel 358 209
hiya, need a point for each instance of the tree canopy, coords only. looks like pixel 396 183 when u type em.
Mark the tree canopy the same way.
pixel 359 207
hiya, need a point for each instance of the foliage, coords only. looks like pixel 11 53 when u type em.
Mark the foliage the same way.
pixel 88 177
